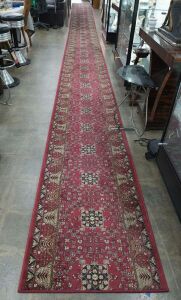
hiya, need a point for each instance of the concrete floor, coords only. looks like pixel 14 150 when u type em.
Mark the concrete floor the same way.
pixel 23 132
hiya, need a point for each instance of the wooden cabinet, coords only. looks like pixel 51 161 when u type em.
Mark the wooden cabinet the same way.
pixel 110 20
pixel 165 69
pixel 169 154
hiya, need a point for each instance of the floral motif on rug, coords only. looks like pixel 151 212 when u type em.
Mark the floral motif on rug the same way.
pixel 90 231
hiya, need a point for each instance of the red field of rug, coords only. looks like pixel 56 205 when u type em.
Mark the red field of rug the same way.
pixel 90 230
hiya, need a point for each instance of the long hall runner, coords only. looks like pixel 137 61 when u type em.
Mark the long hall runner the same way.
pixel 90 230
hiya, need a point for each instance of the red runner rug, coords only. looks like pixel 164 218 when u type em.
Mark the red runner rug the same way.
pixel 90 230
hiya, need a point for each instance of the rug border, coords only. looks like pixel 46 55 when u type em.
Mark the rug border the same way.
pixel 42 169
pixel 137 184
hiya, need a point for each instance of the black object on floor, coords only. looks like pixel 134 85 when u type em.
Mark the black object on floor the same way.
pixel 136 75
pixel 55 14
pixel 152 148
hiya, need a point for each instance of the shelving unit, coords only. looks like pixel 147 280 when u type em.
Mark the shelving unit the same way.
pixel 110 20
pixel 126 27
pixel 134 14
pixel 169 154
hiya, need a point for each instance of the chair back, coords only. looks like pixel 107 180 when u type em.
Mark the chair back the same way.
pixel 40 6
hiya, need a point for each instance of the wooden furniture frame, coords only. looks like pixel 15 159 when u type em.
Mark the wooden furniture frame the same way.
pixel 165 68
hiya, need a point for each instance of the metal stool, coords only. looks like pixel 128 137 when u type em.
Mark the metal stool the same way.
pixel 140 83
pixel 16 23
pixel 8 80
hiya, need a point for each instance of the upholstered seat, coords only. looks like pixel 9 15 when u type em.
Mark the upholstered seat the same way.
pixel 4 28
pixel 4 33
pixel 9 17
pixel 7 79
pixel 15 21
pixel 136 74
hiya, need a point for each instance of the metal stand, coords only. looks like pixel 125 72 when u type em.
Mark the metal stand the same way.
pixel 135 90
pixel 22 61
pixel 7 79
pixel 40 24
pixel 152 147
pixel 140 84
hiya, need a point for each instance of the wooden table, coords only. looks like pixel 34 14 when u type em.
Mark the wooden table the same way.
pixel 165 68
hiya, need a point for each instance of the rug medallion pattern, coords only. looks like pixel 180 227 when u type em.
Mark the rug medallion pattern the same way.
pixel 90 231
